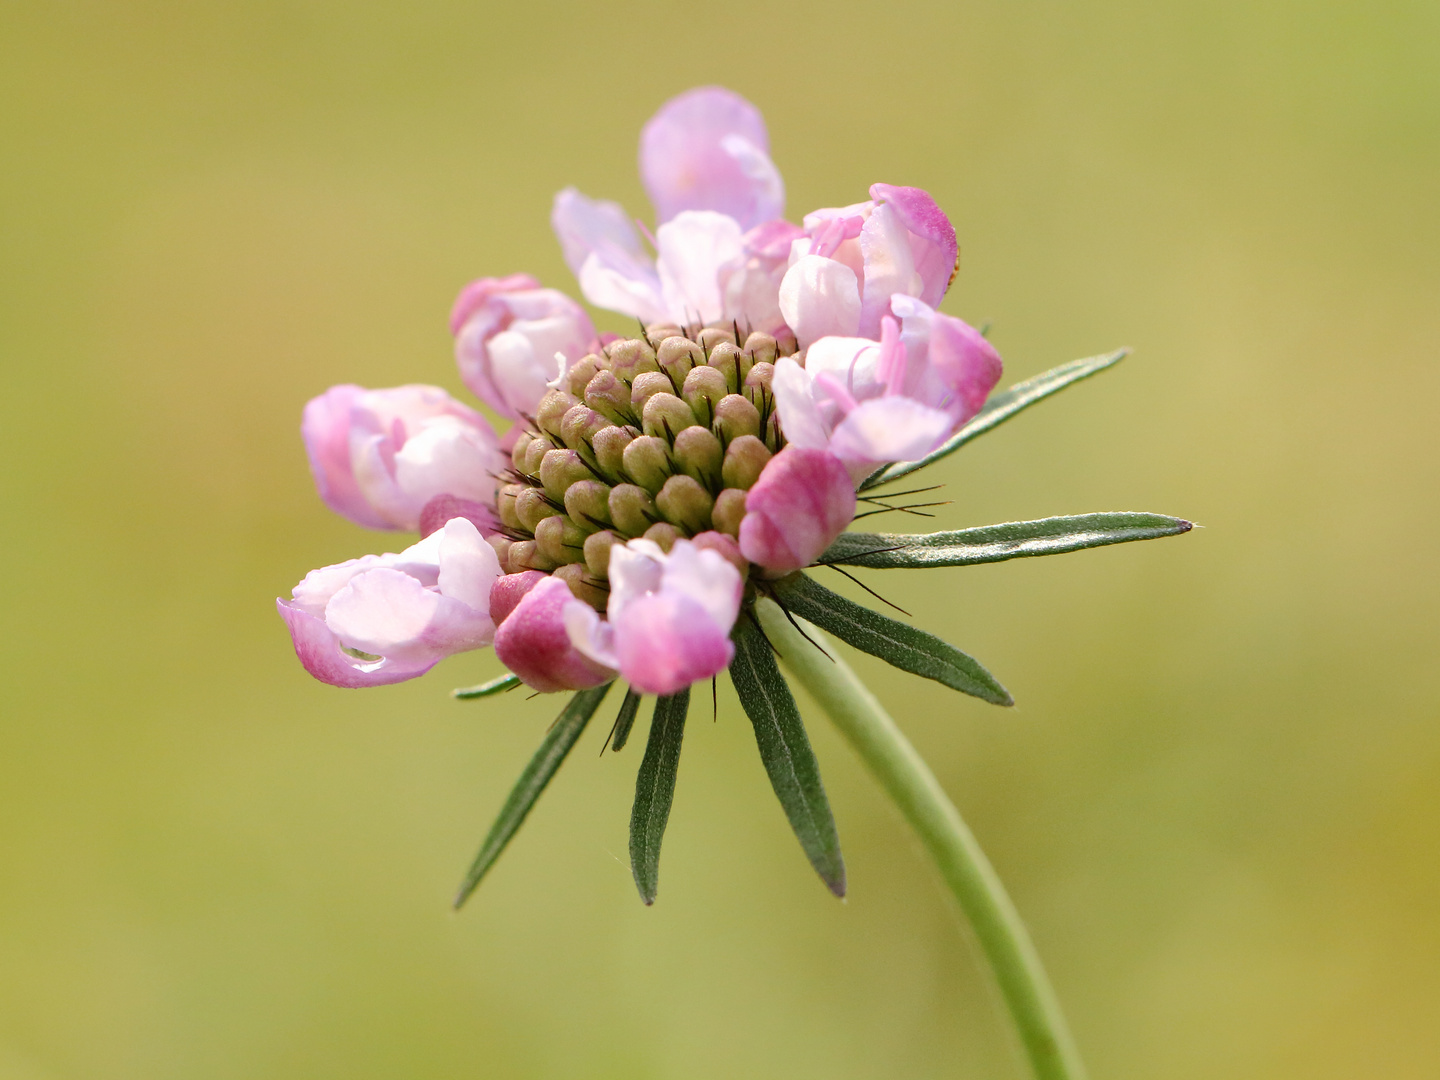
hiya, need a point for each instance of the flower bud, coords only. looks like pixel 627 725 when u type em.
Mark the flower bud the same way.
pixel 609 446
pixel 665 416
pixel 505 505
pixel 435 513
pixel 677 355
pixel 726 547
pixel 533 643
pixel 517 452
pixel 685 503
pixel 552 409
pixel 698 454
pixel 647 384
pixel 785 343
pixel 746 457
pixel 703 389
pixel 579 425
pixel 508 590
pixel 560 540
pixel 664 534
pixel 647 461
pixel 525 556
pixel 579 376
pixel 501 545
pixel 729 511
pixel 606 394
pixel 736 416
pixel 597 552
pixel 801 503
pixel 582 586
pixel 761 377
pixel 761 348
pixel 714 335
pixel 588 504
pixel 532 507
pixel 725 358
pixel 632 509
pixel 561 468
pixel 658 333
pixel 630 357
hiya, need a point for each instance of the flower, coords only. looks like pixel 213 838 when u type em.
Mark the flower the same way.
pixel 405 612
pixel 803 500
pixel 856 258
pixel 895 400
pixel 532 640
pixel 378 456
pixel 669 615
pixel 509 333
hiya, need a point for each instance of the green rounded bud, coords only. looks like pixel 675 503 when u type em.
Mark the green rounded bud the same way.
pixel 664 534
pixel 524 555
pixel 714 335
pixel 685 503
pixel 665 415
pixel 606 394
pixel 517 452
pixel 505 505
pixel 535 454
pixel 735 416
pixel 597 553
pixel 647 384
pixel 501 545
pixel 761 348
pixel 656 333
pixel 703 389
pixel 630 357
pixel 609 446
pixel 561 468
pixel 581 585
pixel 532 507
pixel 647 462
pixel 632 509
pixel 677 355
pixel 761 377
pixel 579 425
pixel 744 459
pixel 785 343
pixel 552 408
pixel 560 540
pixel 729 511
pixel 698 453
pixel 581 374
pixel 725 358
pixel 588 504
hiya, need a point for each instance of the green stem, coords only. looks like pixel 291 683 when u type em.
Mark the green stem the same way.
pixel 966 871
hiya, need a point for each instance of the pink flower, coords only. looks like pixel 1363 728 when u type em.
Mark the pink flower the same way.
pixel 378 456
pixel 407 611
pixel 704 159
pixel 856 258
pixel 532 641
pixel 895 400
pixel 803 500
pixel 668 618
pixel 508 335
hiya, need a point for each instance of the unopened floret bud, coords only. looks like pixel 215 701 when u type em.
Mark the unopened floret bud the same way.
pixel 761 348
pixel 736 416
pixel 657 333
pixel 698 454
pixel 597 552
pixel 703 389
pixel 517 452
pixel 505 504
pixel 725 358
pixel 647 462
pixel 729 511
pixel 559 469
pixel 532 507
pixel 724 546
pixel 588 504
pixel 606 394
pixel 583 588
pixel 744 461
pixel 665 416
pixel 552 408
pixel 502 550
pixel 685 503
pixel 582 372
pixel 560 540
pixel 664 534
pixel 579 426
pixel 677 355
pixel 714 335
pixel 534 454
pixel 630 357
pixel 647 384
pixel 524 555
pixel 632 510
pixel 609 446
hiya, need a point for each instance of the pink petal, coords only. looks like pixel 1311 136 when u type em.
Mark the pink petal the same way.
pixel 802 501
pixel 707 149
pixel 891 428
pixel 321 655
pixel 476 294
pixel 325 429
pixel 509 589
pixel 935 248
pixel 534 644
pixel 442 508
pixel 668 641
pixel 468 565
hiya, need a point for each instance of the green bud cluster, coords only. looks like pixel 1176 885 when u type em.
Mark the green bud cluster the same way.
pixel 659 436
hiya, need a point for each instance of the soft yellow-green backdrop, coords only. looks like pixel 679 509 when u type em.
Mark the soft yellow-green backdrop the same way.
pixel 1218 801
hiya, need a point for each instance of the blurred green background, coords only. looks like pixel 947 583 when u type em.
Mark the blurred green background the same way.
pixel 1218 801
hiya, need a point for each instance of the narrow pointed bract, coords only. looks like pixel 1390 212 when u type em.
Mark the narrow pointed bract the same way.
pixel 655 791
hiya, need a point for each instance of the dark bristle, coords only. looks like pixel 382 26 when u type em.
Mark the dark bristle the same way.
pixel 871 591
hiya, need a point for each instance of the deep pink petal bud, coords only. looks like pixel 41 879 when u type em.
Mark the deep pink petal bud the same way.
pixel 803 500
pixel 378 456
pixel 534 644
pixel 510 338
pixel 435 513
pixel 509 590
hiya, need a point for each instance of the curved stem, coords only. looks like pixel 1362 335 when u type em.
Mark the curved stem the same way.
pixel 963 866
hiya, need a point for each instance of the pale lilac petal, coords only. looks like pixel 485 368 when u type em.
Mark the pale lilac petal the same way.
pixel 668 642
pixel 629 286
pixel 820 297
pixel 933 243
pixel 534 644
pixel 477 294
pixel 965 362
pixel 325 429
pixel 686 164
pixel 706 577
pixel 802 501
pixel 321 655
pixel 389 613
pixel 692 248
pixel 468 565
pixel 890 428
pixel 593 636
pixel 799 416
pixel 445 457
pixel 889 267
pixel 318 586
pixel 584 225
pixel 636 568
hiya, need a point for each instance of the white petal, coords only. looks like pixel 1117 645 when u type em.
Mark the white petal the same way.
pixel 468 565
pixel 385 612
pixel 820 297
pixel 890 429
pixel 635 569
pixel 795 401
pixel 692 247
pixel 591 635
pixel 706 577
